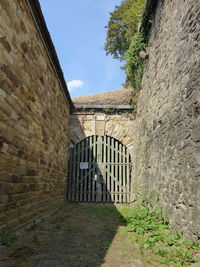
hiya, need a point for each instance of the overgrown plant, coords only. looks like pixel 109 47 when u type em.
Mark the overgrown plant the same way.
pixel 134 63
pixel 153 233
pixel 110 110
pixel 128 33
pixel 7 237
pixel 33 226
pixel 122 25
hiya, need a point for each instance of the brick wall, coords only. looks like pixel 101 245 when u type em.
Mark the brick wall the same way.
pixel 34 120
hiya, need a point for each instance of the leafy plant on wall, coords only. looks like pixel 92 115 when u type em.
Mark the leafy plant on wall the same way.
pixel 122 25
pixel 127 36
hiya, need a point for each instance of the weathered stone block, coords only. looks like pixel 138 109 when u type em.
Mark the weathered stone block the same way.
pixel 5 44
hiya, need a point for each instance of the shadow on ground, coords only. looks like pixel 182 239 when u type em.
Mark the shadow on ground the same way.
pixel 77 235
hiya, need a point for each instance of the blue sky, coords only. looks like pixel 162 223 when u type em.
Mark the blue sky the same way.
pixel 78 32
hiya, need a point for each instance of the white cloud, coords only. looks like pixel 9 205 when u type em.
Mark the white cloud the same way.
pixel 74 84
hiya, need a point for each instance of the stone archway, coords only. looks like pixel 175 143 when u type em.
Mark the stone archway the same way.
pixel 119 126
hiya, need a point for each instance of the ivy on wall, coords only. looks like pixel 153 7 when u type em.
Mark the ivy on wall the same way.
pixel 134 63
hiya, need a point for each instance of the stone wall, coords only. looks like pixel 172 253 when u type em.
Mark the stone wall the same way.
pixel 120 126
pixel 167 150
pixel 34 120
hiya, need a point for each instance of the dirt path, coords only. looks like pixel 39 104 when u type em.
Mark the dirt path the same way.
pixel 76 235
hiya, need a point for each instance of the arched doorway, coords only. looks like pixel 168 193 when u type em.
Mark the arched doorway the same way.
pixel 99 171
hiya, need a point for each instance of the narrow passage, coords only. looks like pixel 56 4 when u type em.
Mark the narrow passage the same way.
pixel 75 235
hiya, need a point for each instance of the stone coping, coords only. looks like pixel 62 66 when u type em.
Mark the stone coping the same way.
pixel 124 107
pixel 109 98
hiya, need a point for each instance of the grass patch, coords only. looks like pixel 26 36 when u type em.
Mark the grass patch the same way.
pixel 7 237
pixel 103 234
pixel 34 225
pixel 106 245
pixel 23 252
pixel 154 235
pixel 103 211
pixel 56 227
pixel 60 219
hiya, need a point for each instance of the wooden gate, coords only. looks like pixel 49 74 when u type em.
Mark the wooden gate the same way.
pixel 99 171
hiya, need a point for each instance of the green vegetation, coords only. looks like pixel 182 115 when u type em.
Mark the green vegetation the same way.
pixel 122 26
pixel 22 253
pixel 107 244
pixel 134 63
pixel 98 211
pixel 154 234
pixel 125 39
pixel 123 234
pixel 7 237
pixel 33 226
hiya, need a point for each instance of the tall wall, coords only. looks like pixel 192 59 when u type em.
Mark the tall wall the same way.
pixel 167 152
pixel 34 120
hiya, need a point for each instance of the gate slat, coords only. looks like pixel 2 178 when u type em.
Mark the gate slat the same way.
pixel 81 171
pixel 70 176
pixel 117 171
pixel 112 170
pixel 94 169
pixel 104 165
pixel 128 177
pixel 120 173
pixel 73 177
pixel 90 170
pixel 125 182
pixel 115 183
pixel 124 174
pixel 86 171
pixel 77 177
pixel 108 171
pixel 99 171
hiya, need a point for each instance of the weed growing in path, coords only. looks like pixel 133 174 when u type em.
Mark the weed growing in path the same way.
pixel 106 245
pixel 33 226
pixel 154 234
pixel 7 237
